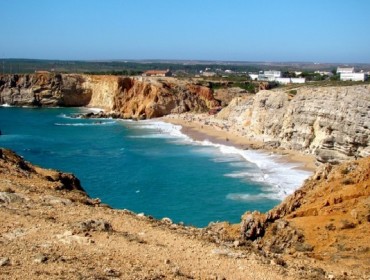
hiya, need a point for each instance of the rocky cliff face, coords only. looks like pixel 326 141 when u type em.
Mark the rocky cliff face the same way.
pixel 43 89
pixel 127 97
pixel 327 219
pixel 331 122
pixel 153 98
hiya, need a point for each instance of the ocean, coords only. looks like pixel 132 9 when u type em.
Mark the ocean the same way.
pixel 150 166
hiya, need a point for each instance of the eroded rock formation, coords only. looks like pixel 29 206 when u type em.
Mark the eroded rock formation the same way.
pixel 127 97
pixel 331 122
pixel 326 219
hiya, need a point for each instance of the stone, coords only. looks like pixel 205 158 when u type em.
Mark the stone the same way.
pixel 8 197
pixel 4 261
pixel 167 220
pixel 93 225
pixel 41 258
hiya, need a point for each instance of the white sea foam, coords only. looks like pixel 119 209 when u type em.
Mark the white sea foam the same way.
pixel 278 179
pixel 93 109
pixel 6 105
pixel 251 197
pixel 85 124
pixel 162 129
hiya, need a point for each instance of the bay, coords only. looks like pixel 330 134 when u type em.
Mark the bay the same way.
pixel 149 166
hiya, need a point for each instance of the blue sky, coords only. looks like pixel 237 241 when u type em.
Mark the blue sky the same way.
pixel 239 30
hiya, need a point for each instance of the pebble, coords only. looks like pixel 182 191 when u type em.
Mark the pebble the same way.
pixel 4 261
pixel 167 220
pixel 40 258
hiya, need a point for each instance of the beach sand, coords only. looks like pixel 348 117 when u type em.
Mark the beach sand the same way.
pixel 205 127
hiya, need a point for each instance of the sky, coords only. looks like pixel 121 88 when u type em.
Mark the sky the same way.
pixel 228 30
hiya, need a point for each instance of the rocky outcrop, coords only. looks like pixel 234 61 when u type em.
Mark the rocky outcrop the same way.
pixel 127 97
pixel 153 98
pixel 326 219
pixel 331 122
pixel 43 89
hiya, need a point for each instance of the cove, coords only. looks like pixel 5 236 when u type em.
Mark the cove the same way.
pixel 149 166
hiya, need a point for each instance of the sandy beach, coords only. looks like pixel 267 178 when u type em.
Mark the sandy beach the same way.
pixel 206 127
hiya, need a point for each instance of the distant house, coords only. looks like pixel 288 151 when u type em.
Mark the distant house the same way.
pixel 269 76
pixel 345 70
pixel 285 81
pixel 253 76
pixel 208 74
pixel 353 77
pixel 297 80
pixel 158 73
pixel 349 74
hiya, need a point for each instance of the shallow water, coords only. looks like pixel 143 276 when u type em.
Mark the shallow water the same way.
pixel 150 166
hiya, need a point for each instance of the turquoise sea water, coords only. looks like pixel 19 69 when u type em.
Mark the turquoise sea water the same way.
pixel 149 166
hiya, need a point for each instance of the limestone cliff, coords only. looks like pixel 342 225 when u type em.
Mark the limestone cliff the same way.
pixel 331 122
pixel 156 98
pixel 127 97
pixel 43 89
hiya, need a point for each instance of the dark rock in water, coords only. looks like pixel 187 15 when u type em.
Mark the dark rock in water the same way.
pixel 99 115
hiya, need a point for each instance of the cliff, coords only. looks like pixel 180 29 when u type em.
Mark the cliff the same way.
pixel 327 220
pixel 332 123
pixel 127 97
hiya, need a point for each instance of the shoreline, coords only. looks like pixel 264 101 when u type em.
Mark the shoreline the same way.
pixel 200 127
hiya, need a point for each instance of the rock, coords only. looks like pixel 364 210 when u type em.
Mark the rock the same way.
pixel 49 199
pixel 7 198
pixel 347 225
pixel 41 258
pixel 167 220
pixel 110 272
pixel 4 261
pixel 93 225
pixel 69 238
pixel 253 225
pixel 333 133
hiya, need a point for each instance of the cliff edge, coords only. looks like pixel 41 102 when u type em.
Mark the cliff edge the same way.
pixel 333 123
pixel 50 229
pixel 126 97
pixel 326 221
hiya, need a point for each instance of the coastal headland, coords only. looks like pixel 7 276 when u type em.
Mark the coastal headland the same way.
pixel 52 229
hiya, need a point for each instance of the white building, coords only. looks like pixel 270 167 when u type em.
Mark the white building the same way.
pixel 297 80
pixel 253 76
pixel 272 73
pixel 353 77
pixel 275 76
pixel 269 76
pixel 283 81
pixel 345 70
pixel 208 74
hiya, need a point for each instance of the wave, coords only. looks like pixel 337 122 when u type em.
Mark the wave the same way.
pixel 86 124
pixel 93 109
pixel 279 179
pixel 251 197
pixel 6 105
pixel 162 129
